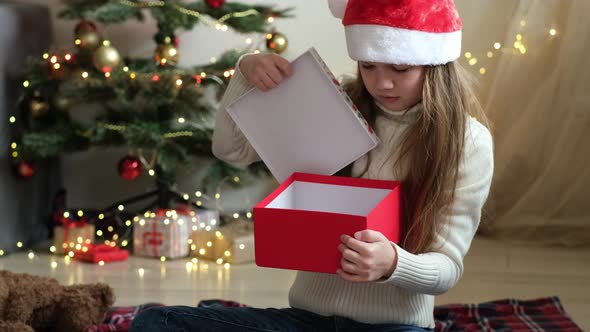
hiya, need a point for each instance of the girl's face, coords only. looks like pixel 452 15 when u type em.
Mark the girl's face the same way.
pixel 397 87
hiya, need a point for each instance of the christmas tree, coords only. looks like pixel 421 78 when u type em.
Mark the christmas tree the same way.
pixel 158 110
pixel 155 108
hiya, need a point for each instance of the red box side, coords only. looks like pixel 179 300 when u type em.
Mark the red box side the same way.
pixel 384 218
pixel 301 240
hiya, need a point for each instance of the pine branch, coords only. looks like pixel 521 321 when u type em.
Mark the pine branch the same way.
pixel 174 14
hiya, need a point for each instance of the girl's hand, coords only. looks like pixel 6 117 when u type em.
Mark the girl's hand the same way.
pixel 369 256
pixel 265 71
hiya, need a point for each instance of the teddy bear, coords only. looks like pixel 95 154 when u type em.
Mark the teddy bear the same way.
pixel 35 303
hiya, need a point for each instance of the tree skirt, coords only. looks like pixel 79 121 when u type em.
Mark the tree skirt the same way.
pixel 540 315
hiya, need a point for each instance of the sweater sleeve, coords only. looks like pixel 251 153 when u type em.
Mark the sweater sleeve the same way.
pixel 438 271
pixel 228 142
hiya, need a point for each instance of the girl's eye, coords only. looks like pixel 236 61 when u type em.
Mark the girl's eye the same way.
pixel 400 70
pixel 367 66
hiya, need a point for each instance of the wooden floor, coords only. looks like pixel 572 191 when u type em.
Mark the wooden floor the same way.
pixel 494 271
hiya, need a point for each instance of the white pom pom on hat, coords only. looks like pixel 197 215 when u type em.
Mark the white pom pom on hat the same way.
pixel 412 32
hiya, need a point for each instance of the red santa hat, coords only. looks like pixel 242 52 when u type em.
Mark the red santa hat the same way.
pixel 410 32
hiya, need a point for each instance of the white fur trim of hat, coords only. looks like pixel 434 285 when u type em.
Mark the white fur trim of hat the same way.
pixel 411 32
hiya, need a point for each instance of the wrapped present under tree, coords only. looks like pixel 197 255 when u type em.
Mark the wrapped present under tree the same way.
pixel 164 233
pixel 232 243
pixel 70 234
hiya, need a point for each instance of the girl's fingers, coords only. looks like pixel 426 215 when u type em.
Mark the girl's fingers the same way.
pixel 356 245
pixel 348 266
pixel 275 74
pixel 284 66
pixel 350 255
pixel 370 236
pixel 265 82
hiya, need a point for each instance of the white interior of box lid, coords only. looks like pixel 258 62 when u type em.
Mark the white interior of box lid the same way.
pixel 310 196
pixel 303 125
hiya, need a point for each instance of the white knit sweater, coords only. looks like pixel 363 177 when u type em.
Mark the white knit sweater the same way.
pixel 407 297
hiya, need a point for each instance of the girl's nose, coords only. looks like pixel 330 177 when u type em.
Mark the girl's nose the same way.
pixel 384 81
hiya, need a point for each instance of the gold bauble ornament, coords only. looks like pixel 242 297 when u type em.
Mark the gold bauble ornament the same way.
pixel 87 40
pixel 166 54
pixel 277 42
pixel 106 58
pixel 38 107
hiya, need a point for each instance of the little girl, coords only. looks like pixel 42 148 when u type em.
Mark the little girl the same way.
pixel 415 95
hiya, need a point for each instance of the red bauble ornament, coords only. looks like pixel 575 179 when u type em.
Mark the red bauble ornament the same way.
pixel 130 168
pixel 215 3
pixel 85 25
pixel 24 169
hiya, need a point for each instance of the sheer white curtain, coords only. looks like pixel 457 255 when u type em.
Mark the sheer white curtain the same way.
pixel 538 98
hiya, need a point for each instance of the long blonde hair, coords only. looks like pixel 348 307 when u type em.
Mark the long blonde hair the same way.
pixel 432 148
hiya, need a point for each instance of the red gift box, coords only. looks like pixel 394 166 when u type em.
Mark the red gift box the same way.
pixel 101 252
pixel 298 226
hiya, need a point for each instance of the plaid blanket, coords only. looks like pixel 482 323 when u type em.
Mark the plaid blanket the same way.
pixel 540 315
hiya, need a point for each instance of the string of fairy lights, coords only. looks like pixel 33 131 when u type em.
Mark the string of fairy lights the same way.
pixel 519 48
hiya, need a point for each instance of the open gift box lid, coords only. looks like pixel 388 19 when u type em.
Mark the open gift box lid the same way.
pixel 306 124
pixel 298 226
